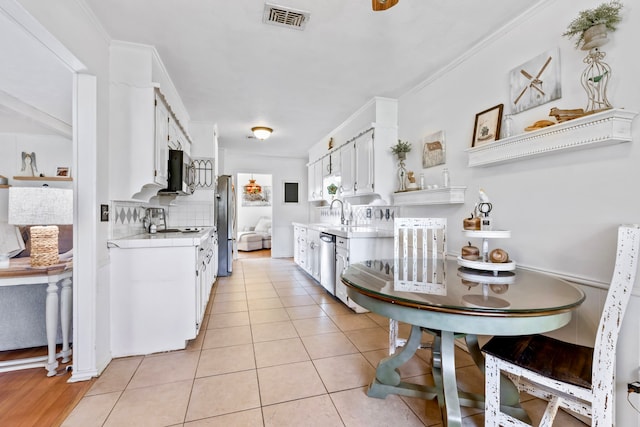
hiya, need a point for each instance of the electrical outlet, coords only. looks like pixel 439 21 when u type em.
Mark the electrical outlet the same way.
pixel 634 387
pixel 104 213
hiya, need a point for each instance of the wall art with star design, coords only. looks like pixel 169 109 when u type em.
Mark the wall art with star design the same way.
pixel 535 82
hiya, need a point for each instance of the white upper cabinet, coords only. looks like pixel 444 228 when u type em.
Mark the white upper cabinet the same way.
pixel 326 166
pixel 364 165
pixel 362 149
pixel 347 170
pixel 143 105
pixel 315 179
pixel 161 141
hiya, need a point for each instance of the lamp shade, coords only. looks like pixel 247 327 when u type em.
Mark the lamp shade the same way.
pixel 40 206
pixel 261 132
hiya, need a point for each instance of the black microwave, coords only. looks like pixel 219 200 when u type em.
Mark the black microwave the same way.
pixel 181 173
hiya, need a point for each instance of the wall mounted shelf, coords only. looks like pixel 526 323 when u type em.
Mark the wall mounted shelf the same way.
pixel 595 130
pixel 43 178
pixel 436 196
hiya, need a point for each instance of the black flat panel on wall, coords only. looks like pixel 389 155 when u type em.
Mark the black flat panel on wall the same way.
pixel 291 192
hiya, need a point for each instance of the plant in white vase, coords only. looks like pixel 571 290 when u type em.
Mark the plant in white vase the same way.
pixel 590 28
pixel 591 25
pixel 401 149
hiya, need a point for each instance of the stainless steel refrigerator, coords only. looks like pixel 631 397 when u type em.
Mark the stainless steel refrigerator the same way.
pixel 225 223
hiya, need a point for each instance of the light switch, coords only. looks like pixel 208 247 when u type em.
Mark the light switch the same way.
pixel 104 213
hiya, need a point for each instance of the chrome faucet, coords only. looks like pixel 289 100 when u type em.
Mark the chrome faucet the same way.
pixel 342 220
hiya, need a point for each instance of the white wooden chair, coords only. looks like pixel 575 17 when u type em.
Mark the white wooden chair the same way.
pixel 424 242
pixel 578 378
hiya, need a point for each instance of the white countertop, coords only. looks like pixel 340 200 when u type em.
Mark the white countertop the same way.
pixel 159 240
pixel 349 231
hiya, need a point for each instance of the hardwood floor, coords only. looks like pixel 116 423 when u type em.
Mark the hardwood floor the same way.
pixel 262 253
pixel 29 398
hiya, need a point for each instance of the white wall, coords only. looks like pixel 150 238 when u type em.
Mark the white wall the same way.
pixel 563 209
pixel 281 169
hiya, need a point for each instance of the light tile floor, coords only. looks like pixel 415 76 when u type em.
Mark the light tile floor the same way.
pixel 274 350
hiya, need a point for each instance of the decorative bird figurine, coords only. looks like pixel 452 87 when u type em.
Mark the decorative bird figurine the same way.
pixel 483 196
pixel 29 162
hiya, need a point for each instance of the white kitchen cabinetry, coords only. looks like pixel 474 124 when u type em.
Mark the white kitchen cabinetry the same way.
pixel 315 177
pixel 364 165
pixel 313 253
pixel 347 169
pixel 336 169
pixel 143 104
pixel 357 166
pixel 161 140
pixel 159 290
pixel 357 249
pixel 153 299
pixel 300 246
pixel 326 166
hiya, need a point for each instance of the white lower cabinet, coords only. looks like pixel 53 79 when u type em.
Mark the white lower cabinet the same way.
pixel 159 295
pixel 313 253
pixel 350 250
pixel 300 246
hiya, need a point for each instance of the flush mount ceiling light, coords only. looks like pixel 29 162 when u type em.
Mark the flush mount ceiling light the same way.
pixel 261 132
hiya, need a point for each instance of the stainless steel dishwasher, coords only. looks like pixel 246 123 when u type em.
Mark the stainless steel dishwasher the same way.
pixel 328 262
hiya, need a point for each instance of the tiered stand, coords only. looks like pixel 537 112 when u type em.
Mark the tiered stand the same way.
pixel 484 264
pixel 492 276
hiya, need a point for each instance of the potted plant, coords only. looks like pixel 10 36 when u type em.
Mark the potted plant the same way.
pixel 401 149
pixel 591 26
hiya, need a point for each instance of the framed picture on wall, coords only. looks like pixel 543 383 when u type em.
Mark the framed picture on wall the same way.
pixel 290 192
pixel 433 151
pixel 487 126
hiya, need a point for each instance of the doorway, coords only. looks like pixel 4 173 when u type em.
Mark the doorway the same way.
pixel 255 213
pixel 63 98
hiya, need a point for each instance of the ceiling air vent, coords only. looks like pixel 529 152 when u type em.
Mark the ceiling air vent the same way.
pixel 285 16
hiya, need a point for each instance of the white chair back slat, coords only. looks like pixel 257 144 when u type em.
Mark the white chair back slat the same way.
pixel 422 243
pixel 624 276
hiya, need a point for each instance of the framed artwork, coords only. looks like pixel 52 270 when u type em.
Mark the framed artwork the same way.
pixel 535 82
pixel 487 126
pixel 62 171
pixel 291 192
pixel 433 151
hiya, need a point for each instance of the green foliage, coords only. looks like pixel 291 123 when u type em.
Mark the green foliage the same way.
pixel 401 147
pixel 607 14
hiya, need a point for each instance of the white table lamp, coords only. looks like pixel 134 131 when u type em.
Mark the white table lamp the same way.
pixel 43 208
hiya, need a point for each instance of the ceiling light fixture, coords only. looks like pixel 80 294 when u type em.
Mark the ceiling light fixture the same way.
pixel 378 5
pixel 261 132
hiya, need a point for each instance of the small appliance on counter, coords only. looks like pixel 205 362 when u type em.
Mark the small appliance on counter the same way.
pixel 154 218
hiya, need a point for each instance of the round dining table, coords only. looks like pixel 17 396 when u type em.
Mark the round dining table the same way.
pixel 456 302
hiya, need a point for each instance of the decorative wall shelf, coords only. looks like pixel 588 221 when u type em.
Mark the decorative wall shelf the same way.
pixel 43 178
pixel 595 130
pixel 436 196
